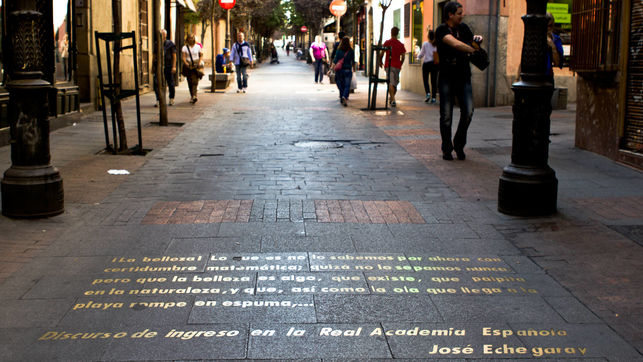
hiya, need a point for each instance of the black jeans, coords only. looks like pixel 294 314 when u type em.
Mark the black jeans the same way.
pixel 169 80
pixel 319 70
pixel 430 70
pixel 449 91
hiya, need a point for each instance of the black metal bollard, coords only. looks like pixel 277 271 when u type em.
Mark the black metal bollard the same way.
pixel 31 187
pixel 528 186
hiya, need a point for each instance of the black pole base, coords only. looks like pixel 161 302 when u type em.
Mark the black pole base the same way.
pixel 32 192
pixel 527 191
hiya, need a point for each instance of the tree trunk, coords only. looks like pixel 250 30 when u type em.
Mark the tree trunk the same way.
pixel 160 60
pixel 118 109
pixel 378 62
pixel 204 29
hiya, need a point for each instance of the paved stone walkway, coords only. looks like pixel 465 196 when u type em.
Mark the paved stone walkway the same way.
pixel 278 224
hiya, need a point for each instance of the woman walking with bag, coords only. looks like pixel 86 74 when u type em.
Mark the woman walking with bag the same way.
pixel 192 57
pixel 344 64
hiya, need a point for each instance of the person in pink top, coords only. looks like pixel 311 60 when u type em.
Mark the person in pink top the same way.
pixel 397 54
pixel 319 53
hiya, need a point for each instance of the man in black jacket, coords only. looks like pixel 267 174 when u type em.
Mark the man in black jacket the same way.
pixel 454 39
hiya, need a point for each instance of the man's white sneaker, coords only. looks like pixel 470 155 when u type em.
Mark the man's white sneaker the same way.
pixel 244 90
pixel 238 90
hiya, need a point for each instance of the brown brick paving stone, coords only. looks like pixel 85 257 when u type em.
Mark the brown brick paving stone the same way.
pixel 374 213
pixel 411 132
pixel 399 212
pixel 475 178
pixel 199 212
pixel 360 211
pixel 614 208
pixel 335 211
pixel 398 123
pixel 321 211
pixel 386 212
pixel 347 211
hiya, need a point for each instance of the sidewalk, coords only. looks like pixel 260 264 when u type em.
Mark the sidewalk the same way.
pixel 278 224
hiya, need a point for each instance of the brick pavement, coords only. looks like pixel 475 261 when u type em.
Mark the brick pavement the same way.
pixel 331 233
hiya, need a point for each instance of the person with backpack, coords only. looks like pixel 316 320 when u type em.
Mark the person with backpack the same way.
pixel 344 64
pixel 241 56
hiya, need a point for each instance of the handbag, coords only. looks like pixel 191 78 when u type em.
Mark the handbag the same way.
pixel 479 57
pixel 198 70
pixel 340 64
pixel 243 61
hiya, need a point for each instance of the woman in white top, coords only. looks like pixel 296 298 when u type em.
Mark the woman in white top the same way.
pixel 192 57
pixel 429 54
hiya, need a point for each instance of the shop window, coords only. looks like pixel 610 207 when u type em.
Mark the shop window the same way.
pixel 417 30
pixel 595 35
pixel 562 12
pixel 397 19
pixel 62 41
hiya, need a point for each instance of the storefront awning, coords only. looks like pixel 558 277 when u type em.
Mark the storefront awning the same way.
pixel 187 4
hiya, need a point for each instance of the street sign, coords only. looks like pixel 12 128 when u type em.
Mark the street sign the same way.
pixel 227 4
pixel 303 29
pixel 338 7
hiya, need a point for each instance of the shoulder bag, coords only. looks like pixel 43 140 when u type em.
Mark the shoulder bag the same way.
pixel 198 69
pixel 479 57
pixel 340 63
pixel 243 61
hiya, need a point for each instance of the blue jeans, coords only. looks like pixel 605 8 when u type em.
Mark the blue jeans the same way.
pixel 319 70
pixel 449 90
pixel 343 79
pixel 242 76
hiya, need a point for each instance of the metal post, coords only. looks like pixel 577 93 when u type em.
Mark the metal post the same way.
pixel 31 187
pixel 528 186
pixel 227 30
pixel 214 50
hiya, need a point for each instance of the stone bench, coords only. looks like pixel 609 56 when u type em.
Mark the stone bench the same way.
pixel 222 80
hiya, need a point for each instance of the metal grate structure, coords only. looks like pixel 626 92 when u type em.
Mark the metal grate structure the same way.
pixel 595 35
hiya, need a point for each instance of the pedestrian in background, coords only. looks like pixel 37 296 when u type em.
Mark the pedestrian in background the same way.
pixel 454 39
pixel 319 53
pixel 429 57
pixel 192 58
pixel 393 68
pixel 344 74
pixel 340 36
pixel 221 61
pixel 241 56
pixel 169 68
pixel 554 49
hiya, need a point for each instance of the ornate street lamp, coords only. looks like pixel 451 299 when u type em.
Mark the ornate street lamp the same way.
pixel 528 186
pixel 31 187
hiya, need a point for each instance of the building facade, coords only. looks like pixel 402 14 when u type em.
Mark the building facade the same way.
pixel 607 53
pixel 72 66
pixel 498 21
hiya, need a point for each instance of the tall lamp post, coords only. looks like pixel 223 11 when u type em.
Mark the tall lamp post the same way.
pixel 528 186
pixel 31 187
